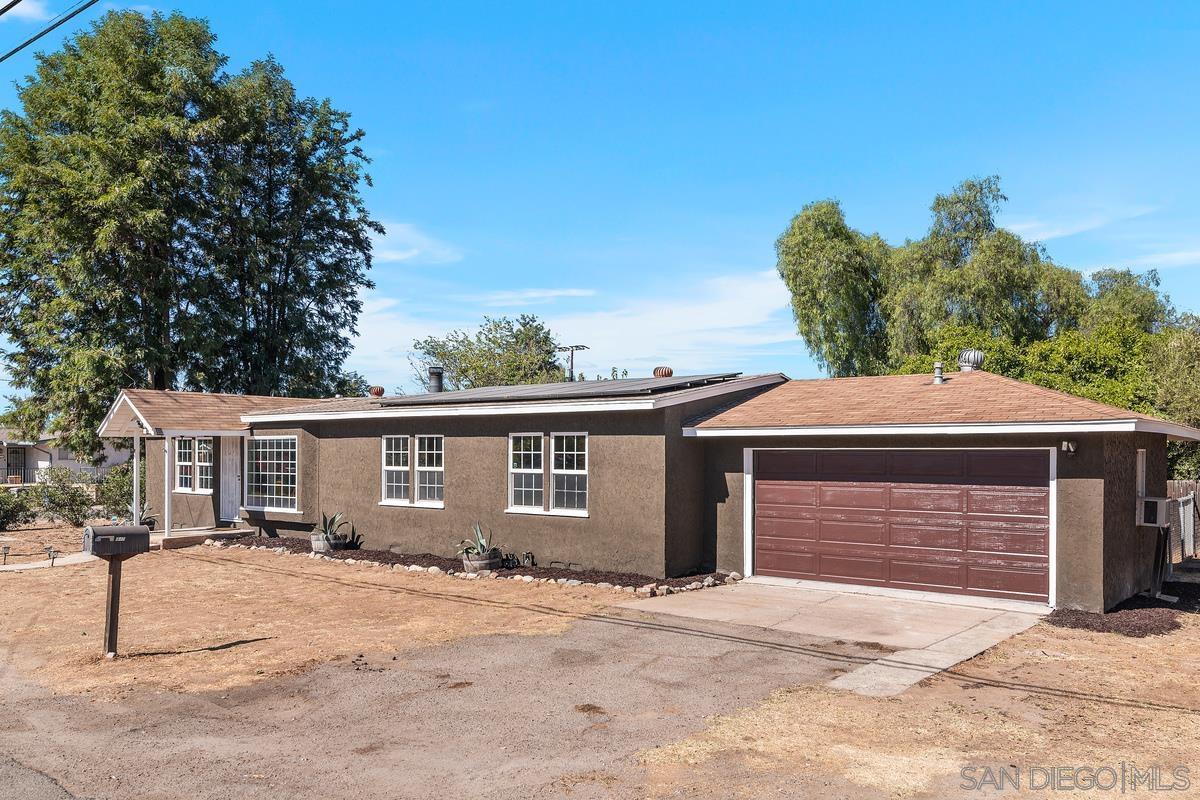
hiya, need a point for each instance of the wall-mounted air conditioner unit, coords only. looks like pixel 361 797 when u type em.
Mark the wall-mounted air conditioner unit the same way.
pixel 1154 511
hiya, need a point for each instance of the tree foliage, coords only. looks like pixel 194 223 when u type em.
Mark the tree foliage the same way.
pixel 864 307
pixel 163 224
pixel 503 352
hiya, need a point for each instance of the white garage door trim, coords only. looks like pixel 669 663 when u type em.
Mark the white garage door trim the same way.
pixel 748 526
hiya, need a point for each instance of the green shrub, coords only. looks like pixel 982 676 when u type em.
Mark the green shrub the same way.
pixel 14 509
pixel 60 497
pixel 114 493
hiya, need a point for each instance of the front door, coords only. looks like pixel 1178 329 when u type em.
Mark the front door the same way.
pixel 231 477
pixel 16 464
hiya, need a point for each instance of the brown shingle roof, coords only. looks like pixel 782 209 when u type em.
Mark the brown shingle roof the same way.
pixel 965 398
pixel 169 410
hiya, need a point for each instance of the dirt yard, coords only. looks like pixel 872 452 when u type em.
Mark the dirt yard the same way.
pixel 250 674
pixel 28 542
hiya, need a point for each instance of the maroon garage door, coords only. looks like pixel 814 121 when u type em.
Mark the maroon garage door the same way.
pixel 963 521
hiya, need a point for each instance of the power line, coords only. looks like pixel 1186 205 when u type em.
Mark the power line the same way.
pixel 8 7
pixel 62 19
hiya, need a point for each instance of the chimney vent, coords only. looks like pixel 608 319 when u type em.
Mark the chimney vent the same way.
pixel 938 378
pixel 375 391
pixel 663 372
pixel 970 360
pixel 435 379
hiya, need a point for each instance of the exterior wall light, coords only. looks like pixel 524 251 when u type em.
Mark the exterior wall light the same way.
pixel 1068 448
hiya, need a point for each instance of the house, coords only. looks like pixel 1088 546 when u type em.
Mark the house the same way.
pixel 24 460
pixel 969 484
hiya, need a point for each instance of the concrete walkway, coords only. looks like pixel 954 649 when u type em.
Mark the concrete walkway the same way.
pixel 61 561
pixel 928 636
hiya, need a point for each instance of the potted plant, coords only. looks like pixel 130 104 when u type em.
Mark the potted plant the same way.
pixel 331 536
pixel 478 553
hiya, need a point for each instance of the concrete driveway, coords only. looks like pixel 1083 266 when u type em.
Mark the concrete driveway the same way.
pixel 927 635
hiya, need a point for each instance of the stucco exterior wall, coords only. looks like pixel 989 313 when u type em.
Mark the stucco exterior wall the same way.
pixel 188 509
pixel 1128 547
pixel 1099 562
pixel 340 470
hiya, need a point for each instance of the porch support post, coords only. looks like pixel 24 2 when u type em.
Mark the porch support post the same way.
pixel 137 480
pixel 167 446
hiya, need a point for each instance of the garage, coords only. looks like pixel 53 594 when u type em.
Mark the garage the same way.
pixel 966 521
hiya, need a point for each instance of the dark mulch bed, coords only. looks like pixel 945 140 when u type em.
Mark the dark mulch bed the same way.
pixel 298 545
pixel 1138 616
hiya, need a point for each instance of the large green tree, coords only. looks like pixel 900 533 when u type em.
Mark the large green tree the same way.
pixel 287 237
pixel 502 352
pixel 865 307
pixel 165 225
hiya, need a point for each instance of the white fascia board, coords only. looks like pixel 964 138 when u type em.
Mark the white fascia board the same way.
pixel 531 407
pixel 204 432
pixel 147 428
pixel 1096 426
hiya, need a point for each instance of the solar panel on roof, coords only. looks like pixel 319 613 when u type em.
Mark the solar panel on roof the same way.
pixel 578 390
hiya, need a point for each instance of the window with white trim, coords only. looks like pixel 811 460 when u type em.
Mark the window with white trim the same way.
pixel 396 477
pixel 204 465
pixel 184 465
pixel 525 471
pixel 194 465
pixel 568 470
pixel 271 469
pixel 430 469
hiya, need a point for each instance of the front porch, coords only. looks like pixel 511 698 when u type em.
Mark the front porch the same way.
pixel 192 444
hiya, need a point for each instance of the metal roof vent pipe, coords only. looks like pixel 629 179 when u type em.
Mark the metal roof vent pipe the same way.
pixel 970 360
pixel 434 384
pixel 938 377
pixel 663 372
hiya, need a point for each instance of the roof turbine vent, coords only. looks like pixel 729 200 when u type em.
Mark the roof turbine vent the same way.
pixel 663 372
pixel 970 360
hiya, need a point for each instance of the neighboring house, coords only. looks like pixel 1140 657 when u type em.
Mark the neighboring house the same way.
pixel 25 460
pixel 979 485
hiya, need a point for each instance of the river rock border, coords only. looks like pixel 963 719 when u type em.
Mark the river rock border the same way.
pixel 648 590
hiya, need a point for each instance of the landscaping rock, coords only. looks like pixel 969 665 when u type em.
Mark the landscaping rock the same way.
pixel 573 582
pixel 527 578
pixel 695 585
pixel 646 591
pixel 415 568
pixel 604 585
pixel 434 570
pixel 665 590
pixel 734 576
pixel 627 589
pixel 729 579
pixel 709 581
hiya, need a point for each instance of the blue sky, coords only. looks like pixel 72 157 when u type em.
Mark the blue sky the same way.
pixel 623 169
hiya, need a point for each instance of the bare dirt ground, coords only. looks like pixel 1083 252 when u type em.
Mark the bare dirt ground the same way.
pixel 28 542
pixel 249 674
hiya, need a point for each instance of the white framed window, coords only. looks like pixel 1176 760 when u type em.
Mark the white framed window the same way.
pixel 525 471
pixel 194 465
pixel 569 473
pixel 397 477
pixel 271 470
pixel 430 470
pixel 204 465
pixel 185 465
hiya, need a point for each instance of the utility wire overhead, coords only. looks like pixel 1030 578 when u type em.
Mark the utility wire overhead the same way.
pixel 61 19
pixel 8 7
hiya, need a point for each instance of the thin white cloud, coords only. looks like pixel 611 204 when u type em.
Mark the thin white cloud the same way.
pixel 1043 230
pixel 718 322
pixel 526 297
pixel 1175 258
pixel 28 11
pixel 406 242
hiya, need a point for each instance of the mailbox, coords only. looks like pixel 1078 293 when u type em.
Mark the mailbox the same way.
pixel 116 540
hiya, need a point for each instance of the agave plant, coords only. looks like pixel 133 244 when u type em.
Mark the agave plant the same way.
pixel 331 532
pixel 478 545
